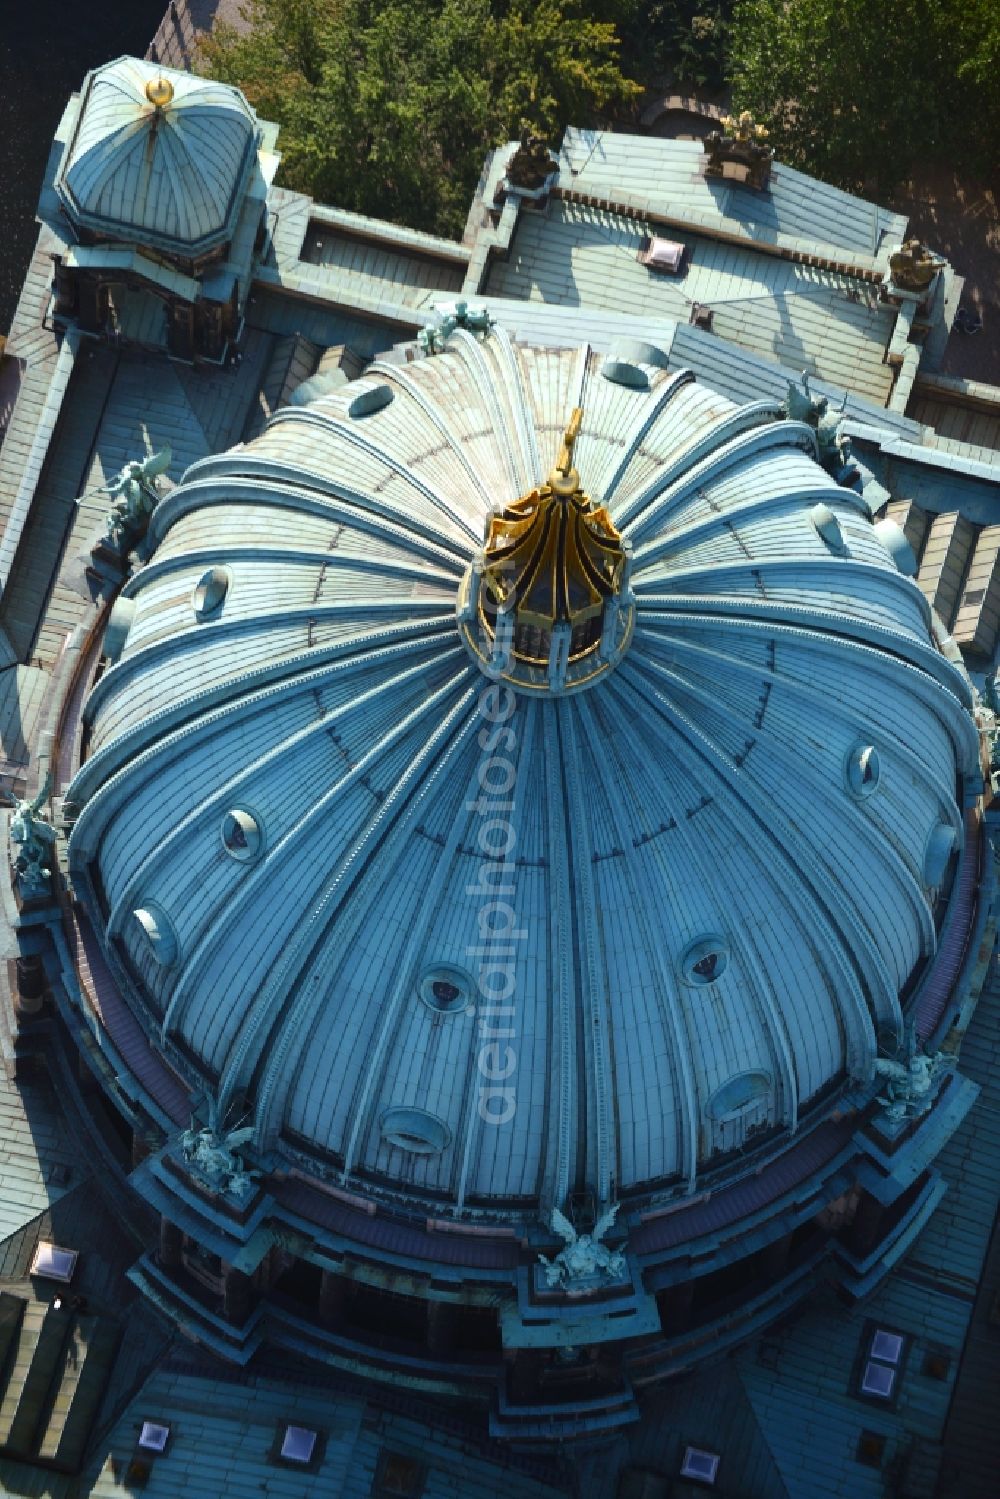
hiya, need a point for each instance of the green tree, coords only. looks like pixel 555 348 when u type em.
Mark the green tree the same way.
pixel 857 91
pixel 682 42
pixel 389 108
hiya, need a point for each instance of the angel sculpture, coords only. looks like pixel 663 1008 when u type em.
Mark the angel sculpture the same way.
pixel 32 837
pixel 802 406
pixel 213 1156
pixel 584 1257
pixel 451 315
pixel 909 1082
pixel 135 496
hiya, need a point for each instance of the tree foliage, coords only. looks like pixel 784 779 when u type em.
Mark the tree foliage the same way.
pixel 389 108
pixel 683 41
pixel 857 91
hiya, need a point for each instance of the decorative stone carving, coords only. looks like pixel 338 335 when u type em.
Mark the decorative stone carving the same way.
pixel 135 496
pixel 451 315
pixel 910 1082
pixel 532 163
pixel 585 1260
pixel 800 405
pixel 32 837
pixel 987 706
pixel 213 1158
pixel 912 267
pixel 740 143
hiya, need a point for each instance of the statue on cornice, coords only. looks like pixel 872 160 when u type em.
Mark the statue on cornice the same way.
pixel 532 163
pixel 909 1082
pixel 584 1258
pixel 800 405
pixel 912 267
pixel 135 496
pixel 743 143
pixel 213 1156
pixel 451 315
pixel 32 837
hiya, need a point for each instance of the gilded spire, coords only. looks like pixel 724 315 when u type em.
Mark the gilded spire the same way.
pixel 552 558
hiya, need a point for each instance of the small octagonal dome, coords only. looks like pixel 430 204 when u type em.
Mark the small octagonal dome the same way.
pixel 158 157
pixel 713 893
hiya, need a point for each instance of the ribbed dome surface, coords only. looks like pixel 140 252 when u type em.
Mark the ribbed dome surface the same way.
pixel 720 849
pixel 169 177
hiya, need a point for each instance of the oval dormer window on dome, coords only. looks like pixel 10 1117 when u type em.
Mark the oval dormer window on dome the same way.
pixel 862 769
pixel 160 937
pixel 415 1130
pixel 210 591
pixel 446 989
pixel 937 852
pixel 739 1110
pixel 371 398
pixel 116 632
pixel 743 1089
pixel 241 835
pixel 828 528
pixel 705 961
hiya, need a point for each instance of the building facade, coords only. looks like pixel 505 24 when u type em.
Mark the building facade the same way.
pixel 502 857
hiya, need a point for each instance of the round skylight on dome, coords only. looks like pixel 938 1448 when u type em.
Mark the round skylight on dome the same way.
pixel 863 770
pixel 446 989
pixel 210 591
pixel 705 961
pixel 241 835
pixel 828 528
pixel 941 843
pixel 740 1091
pixel 158 932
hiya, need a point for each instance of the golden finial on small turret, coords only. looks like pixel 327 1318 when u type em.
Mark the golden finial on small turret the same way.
pixel 159 91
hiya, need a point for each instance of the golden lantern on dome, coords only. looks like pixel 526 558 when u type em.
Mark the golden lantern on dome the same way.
pixel 552 558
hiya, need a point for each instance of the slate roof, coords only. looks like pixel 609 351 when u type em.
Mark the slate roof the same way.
pixel 733 664
pixel 941 1440
pixel 223 1433
pixel 801 316
pixel 171 177
pixel 383 271
pixel 668 177
pixel 37 1162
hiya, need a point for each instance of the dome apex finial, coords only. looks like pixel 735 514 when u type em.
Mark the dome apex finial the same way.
pixel 564 478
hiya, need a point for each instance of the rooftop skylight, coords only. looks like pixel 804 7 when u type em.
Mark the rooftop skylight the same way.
pixel 700 1464
pixel 663 255
pixel 154 1436
pixel 53 1263
pixel 881 1363
pixel 298 1444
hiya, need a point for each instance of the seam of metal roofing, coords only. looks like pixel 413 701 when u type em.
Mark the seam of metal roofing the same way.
pixel 699 790
pixel 172 174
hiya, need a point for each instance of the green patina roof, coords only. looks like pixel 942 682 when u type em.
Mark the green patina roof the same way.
pixel 170 176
